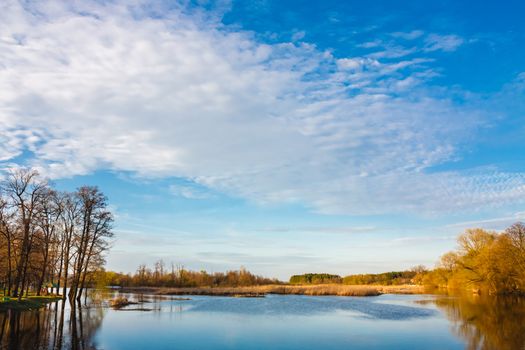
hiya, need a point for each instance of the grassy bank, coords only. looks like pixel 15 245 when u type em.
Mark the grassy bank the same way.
pixel 322 289
pixel 27 303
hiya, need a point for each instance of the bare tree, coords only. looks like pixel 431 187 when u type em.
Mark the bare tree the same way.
pixel 70 219
pixel 26 192
pixel 48 221
pixel 7 230
pixel 95 226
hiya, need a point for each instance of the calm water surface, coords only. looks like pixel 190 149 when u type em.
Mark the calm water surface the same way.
pixel 273 322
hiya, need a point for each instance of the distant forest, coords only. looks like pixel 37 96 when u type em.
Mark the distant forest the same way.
pixel 315 278
pixel 178 276
pixel 412 276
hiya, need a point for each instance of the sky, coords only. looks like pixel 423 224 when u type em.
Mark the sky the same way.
pixel 283 136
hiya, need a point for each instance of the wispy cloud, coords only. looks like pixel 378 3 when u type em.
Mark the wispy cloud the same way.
pixel 321 229
pixel 190 192
pixel 414 34
pixel 435 42
pixel 498 223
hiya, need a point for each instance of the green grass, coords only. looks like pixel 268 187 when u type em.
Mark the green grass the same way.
pixel 31 302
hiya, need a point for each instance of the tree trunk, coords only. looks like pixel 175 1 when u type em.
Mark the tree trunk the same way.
pixel 22 260
pixel 44 268
pixel 9 285
pixel 66 268
pixel 69 234
pixel 60 267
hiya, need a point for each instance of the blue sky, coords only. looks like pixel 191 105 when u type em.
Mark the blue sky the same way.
pixel 283 136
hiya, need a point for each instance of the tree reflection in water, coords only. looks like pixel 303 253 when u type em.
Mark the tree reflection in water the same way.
pixel 487 322
pixel 60 325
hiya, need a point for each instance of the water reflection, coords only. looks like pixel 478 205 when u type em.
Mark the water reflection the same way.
pixel 60 325
pixel 486 322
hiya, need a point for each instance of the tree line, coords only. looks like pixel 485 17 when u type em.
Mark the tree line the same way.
pixel 412 276
pixel 487 262
pixel 176 275
pixel 50 238
pixel 385 279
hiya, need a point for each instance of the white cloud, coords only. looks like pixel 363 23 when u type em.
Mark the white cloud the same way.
pixel 85 86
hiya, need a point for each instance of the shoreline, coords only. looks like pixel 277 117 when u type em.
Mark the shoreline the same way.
pixel 27 303
pixel 259 291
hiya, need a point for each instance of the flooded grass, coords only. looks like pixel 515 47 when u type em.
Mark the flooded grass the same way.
pixel 120 302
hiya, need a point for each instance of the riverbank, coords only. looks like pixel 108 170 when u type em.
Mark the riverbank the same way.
pixel 27 303
pixel 321 289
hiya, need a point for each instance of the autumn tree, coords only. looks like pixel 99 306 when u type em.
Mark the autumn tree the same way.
pixel 485 261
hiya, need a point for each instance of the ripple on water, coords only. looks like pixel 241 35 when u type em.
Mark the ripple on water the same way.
pixel 370 307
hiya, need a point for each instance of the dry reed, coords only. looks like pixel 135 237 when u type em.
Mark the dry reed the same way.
pixel 321 289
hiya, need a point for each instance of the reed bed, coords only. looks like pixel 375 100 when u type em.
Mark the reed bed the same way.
pixel 403 289
pixel 258 291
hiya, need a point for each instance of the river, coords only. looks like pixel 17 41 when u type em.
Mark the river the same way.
pixel 273 322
